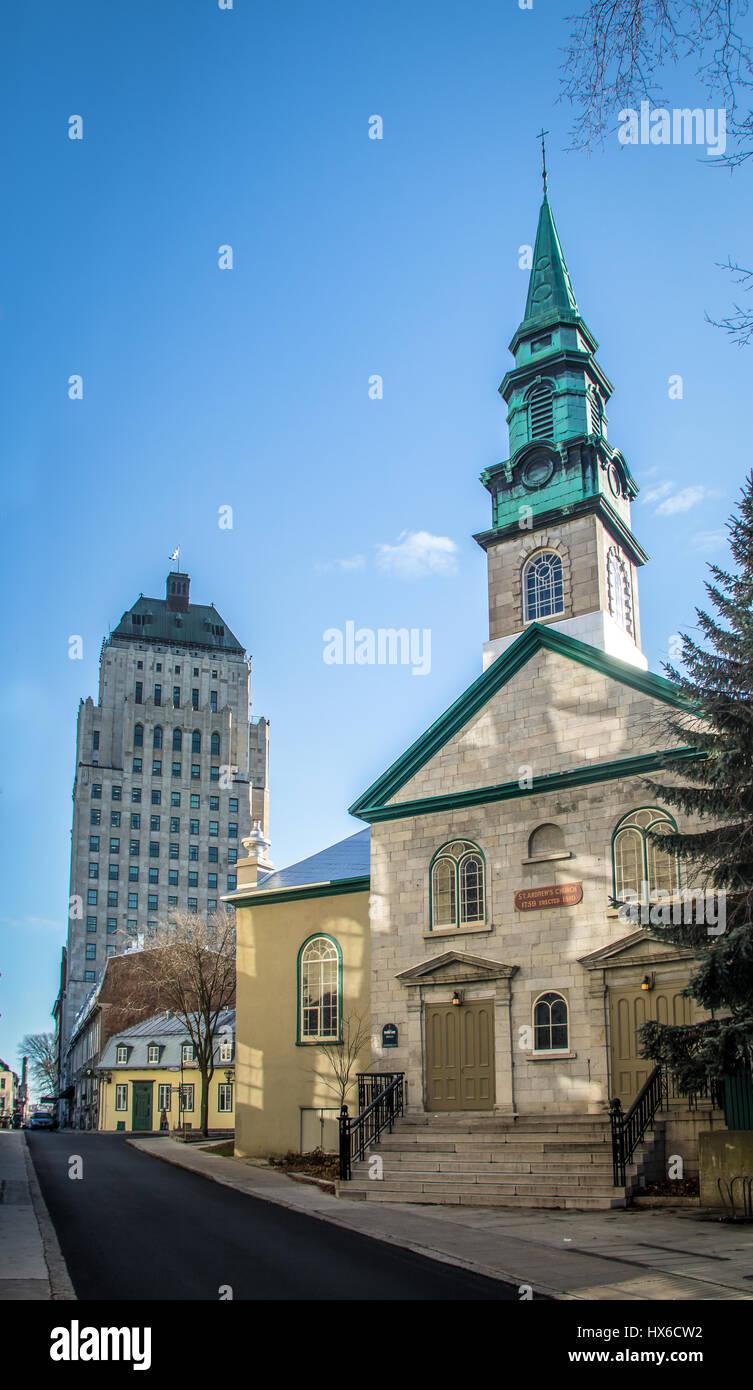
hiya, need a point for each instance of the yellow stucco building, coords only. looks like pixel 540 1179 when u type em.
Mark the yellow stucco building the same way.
pixel 303 1006
pixel 147 1078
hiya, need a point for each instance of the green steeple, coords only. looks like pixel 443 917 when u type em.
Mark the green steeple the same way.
pixel 549 289
pixel 560 461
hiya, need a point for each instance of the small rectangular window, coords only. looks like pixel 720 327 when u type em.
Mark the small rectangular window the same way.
pixel 214 827
pixel 113 872
pixel 138 766
pixel 94 871
pixel 213 854
pixel 133 873
pixel 156 767
pixel 175 798
pixel 91 897
pixel 195 801
pixel 152 902
pixel 115 818
pixel 172 902
pixel 193 827
pixel 176 770
pixel 89 977
pixel 112 897
pixel 114 846
pixel 193 904
pixel 232 856
pixel 134 846
pixel 174 851
pixel 224 1098
pixel 232 804
pixel 95 816
pixel 158 694
pixel 156 798
pixel 91 950
pixel 176 696
pixel 175 825
pixel 133 901
pixel 95 740
pixel 172 877
pixel 116 793
pixel 154 849
pixel 154 875
pixel 152 1052
pixel 232 830
pixel 139 693
pixel 121 1089
pixel 195 771
pixel 193 851
pixel 94 844
pixel 232 882
pixel 194 699
pixel 193 878
pixel 213 701
pixel 112 925
pixel 211 881
pixel 136 795
pixel 154 822
pixel 91 924
pixel 96 789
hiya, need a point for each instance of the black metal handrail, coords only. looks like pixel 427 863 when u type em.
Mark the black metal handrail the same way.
pixel 629 1127
pixel 380 1101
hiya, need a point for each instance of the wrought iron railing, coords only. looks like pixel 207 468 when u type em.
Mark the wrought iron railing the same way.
pixel 380 1102
pixel 630 1127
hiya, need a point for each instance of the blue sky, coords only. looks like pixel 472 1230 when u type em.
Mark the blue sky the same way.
pixel 249 388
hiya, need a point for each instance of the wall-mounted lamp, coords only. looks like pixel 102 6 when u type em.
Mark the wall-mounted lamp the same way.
pixel 647 982
pixel 457 998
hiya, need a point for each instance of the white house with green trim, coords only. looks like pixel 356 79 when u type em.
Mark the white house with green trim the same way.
pixel 504 838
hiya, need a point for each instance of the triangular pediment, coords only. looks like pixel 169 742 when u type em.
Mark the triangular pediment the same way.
pixel 633 949
pixel 455 968
pixel 404 788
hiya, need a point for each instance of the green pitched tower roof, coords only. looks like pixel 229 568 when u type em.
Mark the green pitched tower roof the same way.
pixel 549 289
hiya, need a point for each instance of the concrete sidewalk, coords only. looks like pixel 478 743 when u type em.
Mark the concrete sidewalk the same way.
pixel 626 1254
pixel 31 1263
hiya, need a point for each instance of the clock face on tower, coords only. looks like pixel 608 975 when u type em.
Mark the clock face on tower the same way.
pixel 537 471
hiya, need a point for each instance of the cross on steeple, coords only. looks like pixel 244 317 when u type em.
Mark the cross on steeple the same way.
pixel 540 136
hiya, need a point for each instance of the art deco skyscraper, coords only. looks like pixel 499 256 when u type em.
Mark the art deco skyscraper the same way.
pixel 171 773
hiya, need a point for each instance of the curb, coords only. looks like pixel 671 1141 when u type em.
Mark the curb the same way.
pixel 61 1287
pixel 427 1252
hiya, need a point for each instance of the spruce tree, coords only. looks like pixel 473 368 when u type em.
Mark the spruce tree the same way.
pixel 716 680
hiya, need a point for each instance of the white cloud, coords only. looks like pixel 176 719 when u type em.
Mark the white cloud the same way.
pixel 417 554
pixel 684 500
pixel 346 566
pixel 709 540
pixel 655 494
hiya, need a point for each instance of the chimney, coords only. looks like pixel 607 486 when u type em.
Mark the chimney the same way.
pixel 178 587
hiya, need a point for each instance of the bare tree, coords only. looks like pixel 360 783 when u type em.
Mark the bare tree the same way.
pixel 191 963
pixel 342 1058
pixel 617 54
pixel 41 1050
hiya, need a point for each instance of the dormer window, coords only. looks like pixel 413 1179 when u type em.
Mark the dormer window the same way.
pixel 121 1054
pixel 152 1052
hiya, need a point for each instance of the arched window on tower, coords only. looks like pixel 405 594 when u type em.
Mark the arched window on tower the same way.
pixel 138 736
pixel 157 736
pixel 618 586
pixel 541 411
pixel 543 588
pixel 196 741
pixel 215 746
pixel 177 740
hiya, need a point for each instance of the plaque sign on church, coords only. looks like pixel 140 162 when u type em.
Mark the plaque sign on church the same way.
pixel 555 895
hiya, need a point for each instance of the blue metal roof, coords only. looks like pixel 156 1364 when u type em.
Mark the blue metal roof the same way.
pixel 347 859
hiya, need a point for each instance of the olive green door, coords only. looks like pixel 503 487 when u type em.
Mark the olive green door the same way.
pixel 459 1042
pixel 630 1009
pixel 141 1117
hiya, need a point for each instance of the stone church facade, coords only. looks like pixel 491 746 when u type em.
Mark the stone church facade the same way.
pixel 505 838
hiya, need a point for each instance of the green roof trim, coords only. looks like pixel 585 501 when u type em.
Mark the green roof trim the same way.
pixel 551 782
pixel 535 638
pixel 249 897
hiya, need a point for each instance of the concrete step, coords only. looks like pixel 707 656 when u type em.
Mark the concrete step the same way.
pixel 484 1199
pixel 438 1182
pixel 456 1164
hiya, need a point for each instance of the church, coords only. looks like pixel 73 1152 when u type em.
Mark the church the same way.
pixel 505 986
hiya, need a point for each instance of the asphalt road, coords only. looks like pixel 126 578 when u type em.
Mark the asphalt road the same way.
pixel 134 1227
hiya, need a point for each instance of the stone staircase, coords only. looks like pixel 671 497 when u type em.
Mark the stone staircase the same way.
pixel 561 1161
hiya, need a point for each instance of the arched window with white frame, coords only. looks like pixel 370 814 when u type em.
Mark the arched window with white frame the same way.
pixel 551 1031
pixel 543 586
pixel 319 990
pixel 457 887
pixel 641 867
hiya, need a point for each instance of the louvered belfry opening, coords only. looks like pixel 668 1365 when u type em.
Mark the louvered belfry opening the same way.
pixel 541 411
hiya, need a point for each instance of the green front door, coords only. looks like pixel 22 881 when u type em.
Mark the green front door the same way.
pixel 142 1105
